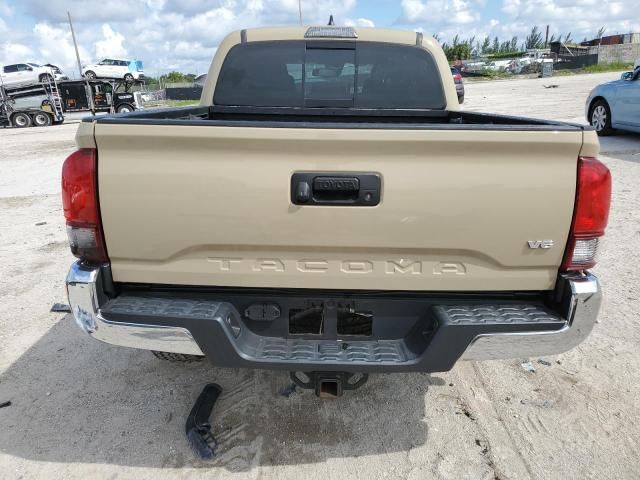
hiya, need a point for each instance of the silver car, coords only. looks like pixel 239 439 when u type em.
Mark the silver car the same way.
pixel 615 105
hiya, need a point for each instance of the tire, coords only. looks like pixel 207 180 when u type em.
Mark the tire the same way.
pixel 125 108
pixel 41 119
pixel 128 77
pixel 42 78
pixel 20 120
pixel 90 74
pixel 177 357
pixel 600 118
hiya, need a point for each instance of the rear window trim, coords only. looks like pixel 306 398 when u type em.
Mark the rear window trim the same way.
pixel 332 44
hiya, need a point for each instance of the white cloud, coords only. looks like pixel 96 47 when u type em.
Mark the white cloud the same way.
pixel 582 18
pixel 55 45
pixel 359 22
pixel 448 12
pixel 84 10
pixel 11 52
pixel 112 44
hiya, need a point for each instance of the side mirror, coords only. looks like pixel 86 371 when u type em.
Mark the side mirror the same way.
pixel 29 68
pixel 626 76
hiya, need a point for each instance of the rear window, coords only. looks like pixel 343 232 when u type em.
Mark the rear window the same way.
pixel 330 74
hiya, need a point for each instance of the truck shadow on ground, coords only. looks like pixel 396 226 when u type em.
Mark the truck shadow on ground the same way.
pixel 622 146
pixel 78 400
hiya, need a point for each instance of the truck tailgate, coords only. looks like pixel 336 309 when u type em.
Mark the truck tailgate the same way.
pixel 211 205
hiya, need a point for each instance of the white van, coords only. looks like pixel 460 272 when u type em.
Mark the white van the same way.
pixel 128 70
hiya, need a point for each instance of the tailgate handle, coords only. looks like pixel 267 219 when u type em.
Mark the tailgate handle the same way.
pixel 323 188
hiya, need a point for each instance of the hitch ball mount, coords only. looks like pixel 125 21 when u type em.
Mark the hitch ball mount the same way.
pixel 329 385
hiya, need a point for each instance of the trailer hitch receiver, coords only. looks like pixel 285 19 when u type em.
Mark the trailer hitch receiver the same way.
pixel 329 385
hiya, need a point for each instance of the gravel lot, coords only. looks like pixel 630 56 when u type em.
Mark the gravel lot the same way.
pixel 82 409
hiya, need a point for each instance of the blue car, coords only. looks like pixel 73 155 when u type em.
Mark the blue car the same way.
pixel 615 105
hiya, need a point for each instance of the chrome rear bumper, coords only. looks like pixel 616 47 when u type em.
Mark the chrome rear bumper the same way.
pixel 578 296
pixel 85 299
pixel 582 303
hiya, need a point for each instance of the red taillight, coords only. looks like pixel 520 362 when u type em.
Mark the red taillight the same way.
pixel 457 77
pixel 80 205
pixel 590 214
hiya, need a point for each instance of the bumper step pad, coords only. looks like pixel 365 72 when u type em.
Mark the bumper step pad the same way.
pixel 515 314
pixel 163 307
pixel 329 350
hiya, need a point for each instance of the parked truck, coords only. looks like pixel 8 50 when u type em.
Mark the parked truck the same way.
pixel 113 96
pixel 328 208
pixel 27 105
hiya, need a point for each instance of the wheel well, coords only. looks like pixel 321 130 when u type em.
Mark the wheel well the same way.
pixel 595 99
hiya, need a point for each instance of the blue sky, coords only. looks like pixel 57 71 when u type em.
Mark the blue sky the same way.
pixel 183 34
pixel 388 12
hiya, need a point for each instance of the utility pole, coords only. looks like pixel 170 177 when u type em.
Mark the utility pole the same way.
pixel 87 86
pixel 300 11
pixel 75 44
pixel 546 38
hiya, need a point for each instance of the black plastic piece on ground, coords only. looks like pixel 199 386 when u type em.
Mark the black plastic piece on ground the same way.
pixel 198 427
pixel 330 385
pixel 289 390
pixel 5 404
pixel 61 307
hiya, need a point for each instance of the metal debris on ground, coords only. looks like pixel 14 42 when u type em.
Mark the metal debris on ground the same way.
pixel 528 366
pixel 544 362
pixel 198 428
pixel 551 86
pixel 61 307
pixel 39 224
pixel 288 390
pixel 537 403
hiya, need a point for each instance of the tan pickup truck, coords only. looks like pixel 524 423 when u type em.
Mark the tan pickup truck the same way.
pixel 327 207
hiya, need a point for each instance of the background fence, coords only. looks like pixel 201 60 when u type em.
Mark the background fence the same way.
pixel 183 93
pixel 571 62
